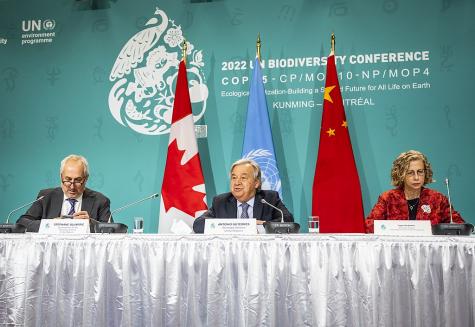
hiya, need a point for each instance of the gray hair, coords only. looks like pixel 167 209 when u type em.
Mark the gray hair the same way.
pixel 75 157
pixel 255 167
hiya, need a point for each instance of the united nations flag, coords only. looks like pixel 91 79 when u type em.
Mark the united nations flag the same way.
pixel 258 144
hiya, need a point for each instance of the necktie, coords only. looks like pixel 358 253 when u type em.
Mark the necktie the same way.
pixel 72 202
pixel 244 207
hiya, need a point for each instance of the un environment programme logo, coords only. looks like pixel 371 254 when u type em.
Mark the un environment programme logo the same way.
pixel 37 31
pixel 144 76
pixel 269 172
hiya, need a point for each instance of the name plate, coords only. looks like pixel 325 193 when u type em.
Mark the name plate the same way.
pixel 403 227
pixel 64 226
pixel 230 226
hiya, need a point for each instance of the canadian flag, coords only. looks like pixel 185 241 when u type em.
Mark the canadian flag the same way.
pixel 183 189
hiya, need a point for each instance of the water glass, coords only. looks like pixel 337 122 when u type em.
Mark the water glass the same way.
pixel 138 225
pixel 313 224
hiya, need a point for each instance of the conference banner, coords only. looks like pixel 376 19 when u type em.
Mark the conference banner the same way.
pixel 98 78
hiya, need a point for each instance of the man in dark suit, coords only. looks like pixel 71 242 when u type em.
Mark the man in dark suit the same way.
pixel 244 200
pixel 71 200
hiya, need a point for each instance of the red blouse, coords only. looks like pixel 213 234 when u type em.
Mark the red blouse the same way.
pixel 392 205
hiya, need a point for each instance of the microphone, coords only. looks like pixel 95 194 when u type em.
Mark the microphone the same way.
pixel 21 207
pixel 110 227
pixel 16 228
pixel 448 195
pixel 451 228
pixel 155 195
pixel 263 201
pixel 282 227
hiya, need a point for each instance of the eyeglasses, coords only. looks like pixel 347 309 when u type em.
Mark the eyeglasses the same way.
pixel 412 173
pixel 76 182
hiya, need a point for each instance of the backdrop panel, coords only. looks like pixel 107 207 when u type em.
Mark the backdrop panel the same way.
pixel 67 86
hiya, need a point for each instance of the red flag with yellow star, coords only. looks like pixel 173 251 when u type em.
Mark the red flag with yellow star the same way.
pixel 336 197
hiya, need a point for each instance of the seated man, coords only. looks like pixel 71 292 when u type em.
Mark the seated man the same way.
pixel 244 200
pixel 72 199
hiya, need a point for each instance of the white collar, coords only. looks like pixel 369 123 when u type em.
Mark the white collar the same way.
pixel 250 202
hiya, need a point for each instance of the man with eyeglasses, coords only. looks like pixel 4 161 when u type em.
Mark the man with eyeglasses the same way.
pixel 71 200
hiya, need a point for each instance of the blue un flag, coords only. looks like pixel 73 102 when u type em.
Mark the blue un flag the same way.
pixel 258 144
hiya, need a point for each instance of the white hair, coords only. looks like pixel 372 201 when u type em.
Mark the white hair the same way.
pixel 255 167
pixel 75 157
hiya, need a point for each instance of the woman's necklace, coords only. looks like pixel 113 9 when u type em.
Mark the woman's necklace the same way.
pixel 414 204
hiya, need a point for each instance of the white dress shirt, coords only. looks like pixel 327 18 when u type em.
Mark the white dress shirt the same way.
pixel 67 206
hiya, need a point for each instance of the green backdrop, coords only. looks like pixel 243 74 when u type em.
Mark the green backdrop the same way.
pixel 406 71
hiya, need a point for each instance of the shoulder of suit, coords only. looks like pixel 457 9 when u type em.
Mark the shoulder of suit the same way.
pixel 91 193
pixel 48 191
pixel 427 192
pixel 223 196
pixel 394 193
pixel 267 193
pixel 270 191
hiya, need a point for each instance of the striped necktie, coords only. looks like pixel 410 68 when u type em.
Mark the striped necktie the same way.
pixel 72 202
pixel 244 207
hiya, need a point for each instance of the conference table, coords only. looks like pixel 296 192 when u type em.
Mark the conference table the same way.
pixel 245 280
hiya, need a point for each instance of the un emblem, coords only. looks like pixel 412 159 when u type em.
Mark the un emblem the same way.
pixel 144 75
pixel 269 171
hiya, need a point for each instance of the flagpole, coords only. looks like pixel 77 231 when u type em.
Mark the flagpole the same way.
pixel 258 46
pixel 183 195
pixel 332 44
pixel 335 147
pixel 184 51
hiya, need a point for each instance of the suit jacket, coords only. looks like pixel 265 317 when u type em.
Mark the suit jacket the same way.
pixel 225 206
pixel 392 205
pixel 96 204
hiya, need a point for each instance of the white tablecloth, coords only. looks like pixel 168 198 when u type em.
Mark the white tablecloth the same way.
pixel 263 280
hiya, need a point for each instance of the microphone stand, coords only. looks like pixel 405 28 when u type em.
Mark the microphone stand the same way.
pixel 279 227
pixel 16 228
pixel 451 228
pixel 110 227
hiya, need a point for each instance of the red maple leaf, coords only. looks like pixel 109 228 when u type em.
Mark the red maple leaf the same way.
pixel 179 180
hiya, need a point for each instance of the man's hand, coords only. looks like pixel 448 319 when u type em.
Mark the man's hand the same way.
pixel 81 215
pixel 260 222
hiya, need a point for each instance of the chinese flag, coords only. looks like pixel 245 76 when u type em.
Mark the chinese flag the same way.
pixel 336 195
pixel 183 188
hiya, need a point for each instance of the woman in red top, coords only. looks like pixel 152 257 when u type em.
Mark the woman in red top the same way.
pixel 411 171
